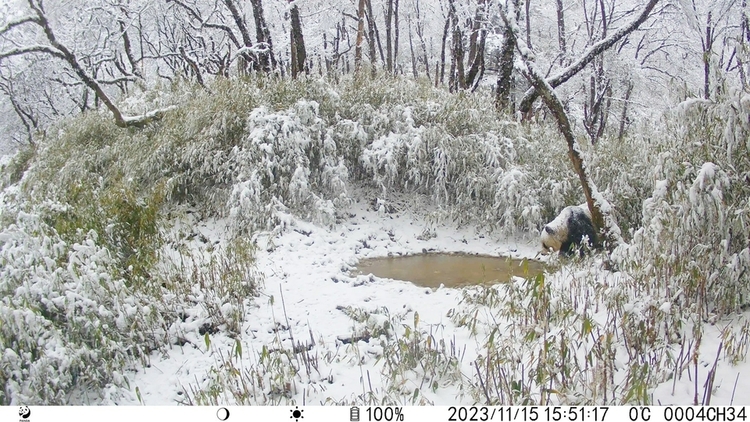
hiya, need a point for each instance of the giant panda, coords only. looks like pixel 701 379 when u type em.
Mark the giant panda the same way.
pixel 567 231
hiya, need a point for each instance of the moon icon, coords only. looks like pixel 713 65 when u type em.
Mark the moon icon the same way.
pixel 222 414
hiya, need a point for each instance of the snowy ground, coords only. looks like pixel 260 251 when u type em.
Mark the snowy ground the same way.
pixel 309 267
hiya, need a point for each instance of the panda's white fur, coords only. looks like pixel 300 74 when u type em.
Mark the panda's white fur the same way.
pixel 567 231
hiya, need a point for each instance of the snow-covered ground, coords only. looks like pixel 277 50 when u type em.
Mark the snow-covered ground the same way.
pixel 307 286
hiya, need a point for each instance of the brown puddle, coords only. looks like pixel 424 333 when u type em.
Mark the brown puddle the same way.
pixel 451 270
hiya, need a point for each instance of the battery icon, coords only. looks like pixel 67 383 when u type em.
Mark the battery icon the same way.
pixel 354 414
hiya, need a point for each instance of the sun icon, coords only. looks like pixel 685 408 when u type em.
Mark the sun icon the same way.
pixel 296 414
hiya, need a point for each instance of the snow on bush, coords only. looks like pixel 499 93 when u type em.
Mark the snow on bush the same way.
pixel 65 320
pixel 693 246
pixel 288 158
pixel 82 213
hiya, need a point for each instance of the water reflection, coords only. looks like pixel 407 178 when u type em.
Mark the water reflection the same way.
pixel 451 270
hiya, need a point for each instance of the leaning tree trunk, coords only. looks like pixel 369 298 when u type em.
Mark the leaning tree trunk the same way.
pixel 601 211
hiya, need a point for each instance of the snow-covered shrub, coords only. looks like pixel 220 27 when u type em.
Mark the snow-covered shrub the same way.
pixel 622 170
pixel 287 158
pixel 12 167
pixel 472 162
pixel 693 247
pixel 66 320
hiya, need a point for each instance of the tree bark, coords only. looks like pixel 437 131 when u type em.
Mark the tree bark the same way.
pixel 127 45
pixel 388 36
pixel 527 5
pixel 371 36
pixel 707 51
pixel 262 61
pixel 360 36
pixel 458 75
pixel 505 73
pixel 420 34
pixel 590 54
pixel 442 51
pixel 561 31
pixel 411 49
pixel 395 34
pixel 477 42
pixel 624 115
pixel 299 55
pixel 262 34
pixel 239 20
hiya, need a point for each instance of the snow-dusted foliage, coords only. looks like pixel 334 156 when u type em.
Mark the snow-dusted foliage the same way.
pixel 693 246
pixel 472 162
pixel 256 150
pixel 84 254
pixel 66 319
pixel 286 160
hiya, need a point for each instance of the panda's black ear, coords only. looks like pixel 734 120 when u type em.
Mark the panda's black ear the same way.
pixel 549 230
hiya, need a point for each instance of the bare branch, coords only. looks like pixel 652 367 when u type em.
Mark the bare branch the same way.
pixel 31 49
pixel 196 15
pixel 590 54
pixel 61 51
pixel 11 25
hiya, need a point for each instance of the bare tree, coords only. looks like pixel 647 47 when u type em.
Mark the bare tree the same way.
pixel 26 115
pixel 372 36
pixel 441 63
pixel 589 55
pixel 420 34
pixel 457 76
pixel 262 34
pixel 599 89
pixel 561 31
pixel 56 49
pixel 477 41
pixel 388 35
pixel 709 33
pixel 360 35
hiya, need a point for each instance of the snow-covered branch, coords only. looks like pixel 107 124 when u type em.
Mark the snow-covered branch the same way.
pixel 587 56
pixel 19 22
pixel 144 119
pixel 59 50
pixel 30 49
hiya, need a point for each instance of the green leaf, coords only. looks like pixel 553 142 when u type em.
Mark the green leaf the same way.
pixel 238 348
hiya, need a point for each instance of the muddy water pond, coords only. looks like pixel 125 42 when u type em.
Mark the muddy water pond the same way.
pixel 451 270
